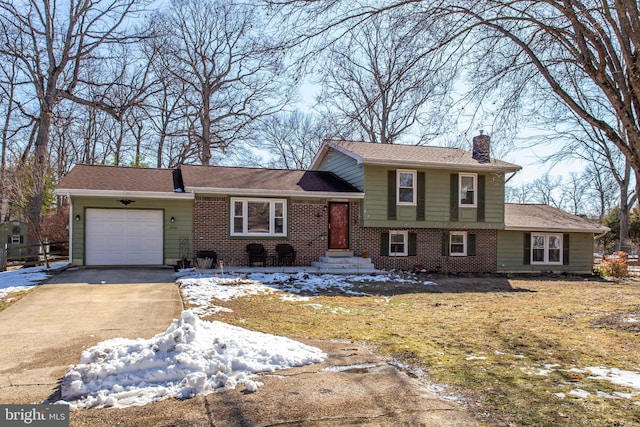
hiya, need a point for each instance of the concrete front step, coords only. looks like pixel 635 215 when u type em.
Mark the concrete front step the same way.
pixel 338 253
pixel 351 262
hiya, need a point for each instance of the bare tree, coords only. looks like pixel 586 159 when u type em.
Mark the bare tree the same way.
pixel 519 193
pixel 292 138
pixel 52 43
pixel 602 189
pixel 230 71
pixel 590 144
pixel 381 81
pixel 574 189
pixel 518 52
pixel 548 190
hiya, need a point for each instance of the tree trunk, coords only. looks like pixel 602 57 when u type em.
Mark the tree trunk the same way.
pixel 624 220
pixel 40 157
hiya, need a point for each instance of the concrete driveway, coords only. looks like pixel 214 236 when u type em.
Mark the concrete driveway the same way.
pixel 46 331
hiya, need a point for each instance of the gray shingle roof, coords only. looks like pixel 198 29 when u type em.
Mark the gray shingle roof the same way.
pixel 416 155
pixel 272 180
pixel 538 217
pixel 117 178
pixel 228 179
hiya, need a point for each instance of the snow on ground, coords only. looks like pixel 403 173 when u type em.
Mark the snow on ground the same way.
pixel 23 279
pixel 615 376
pixel 191 357
pixel 195 356
pixel 199 289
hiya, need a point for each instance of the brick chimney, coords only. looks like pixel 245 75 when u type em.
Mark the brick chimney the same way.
pixel 481 148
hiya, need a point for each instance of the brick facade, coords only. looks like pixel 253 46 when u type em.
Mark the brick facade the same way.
pixel 307 233
pixel 429 251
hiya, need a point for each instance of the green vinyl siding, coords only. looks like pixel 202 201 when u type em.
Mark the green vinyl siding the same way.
pixel 345 167
pixel 511 249
pixel 181 210
pixel 437 183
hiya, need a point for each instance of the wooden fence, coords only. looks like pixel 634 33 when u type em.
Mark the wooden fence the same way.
pixel 25 255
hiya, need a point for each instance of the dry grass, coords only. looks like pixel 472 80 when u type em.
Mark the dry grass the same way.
pixel 12 298
pixel 488 340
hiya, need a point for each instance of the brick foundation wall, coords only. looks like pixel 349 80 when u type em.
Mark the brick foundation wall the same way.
pixel 429 251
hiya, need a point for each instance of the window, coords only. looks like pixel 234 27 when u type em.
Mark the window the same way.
pixel 258 217
pixel 546 249
pixel 458 243
pixel 406 187
pixel 467 187
pixel 398 243
pixel 16 239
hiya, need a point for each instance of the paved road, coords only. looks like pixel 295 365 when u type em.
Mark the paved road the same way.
pixel 46 331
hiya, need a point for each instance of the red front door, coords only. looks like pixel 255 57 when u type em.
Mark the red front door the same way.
pixel 338 225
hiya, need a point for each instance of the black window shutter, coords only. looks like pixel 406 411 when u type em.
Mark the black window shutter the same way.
pixel 384 243
pixel 526 256
pixel 21 239
pixel 471 245
pixel 413 244
pixel 565 249
pixel 420 211
pixel 445 243
pixel 480 210
pixel 9 238
pixel 454 197
pixel 391 194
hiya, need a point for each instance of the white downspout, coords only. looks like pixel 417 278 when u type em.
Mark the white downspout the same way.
pixel 70 229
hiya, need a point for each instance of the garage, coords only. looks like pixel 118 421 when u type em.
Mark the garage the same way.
pixel 124 237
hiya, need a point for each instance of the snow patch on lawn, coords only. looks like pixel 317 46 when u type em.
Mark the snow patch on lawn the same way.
pixel 24 278
pixel 200 288
pixel 191 357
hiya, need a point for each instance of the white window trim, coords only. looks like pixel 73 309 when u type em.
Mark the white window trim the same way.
pixel 464 243
pixel 245 217
pixel 414 173
pixel 15 239
pixel 546 249
pixel 405 235
pixel 475 190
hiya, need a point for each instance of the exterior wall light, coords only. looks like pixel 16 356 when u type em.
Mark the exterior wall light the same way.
pixel 78 217
pixel 173 219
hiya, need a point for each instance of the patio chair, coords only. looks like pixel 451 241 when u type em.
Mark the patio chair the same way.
pixel 286 254
pixel 257 254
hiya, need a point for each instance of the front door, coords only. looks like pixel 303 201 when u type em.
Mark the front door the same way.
pixel 338 225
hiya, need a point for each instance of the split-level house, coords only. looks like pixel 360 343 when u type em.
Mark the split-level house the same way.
pixel 359 204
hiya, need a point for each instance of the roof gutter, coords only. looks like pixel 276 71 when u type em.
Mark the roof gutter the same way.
pixel 556 229
pixel 117 193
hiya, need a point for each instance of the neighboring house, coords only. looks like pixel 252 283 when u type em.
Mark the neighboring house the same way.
pixel 402 206
pixel 13 235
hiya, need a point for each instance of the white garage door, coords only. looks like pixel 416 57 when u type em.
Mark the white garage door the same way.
pixel 123 237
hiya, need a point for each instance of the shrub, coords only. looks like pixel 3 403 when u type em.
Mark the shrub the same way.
pixel 616 265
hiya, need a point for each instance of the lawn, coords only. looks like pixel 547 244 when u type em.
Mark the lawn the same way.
pixel 514 351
